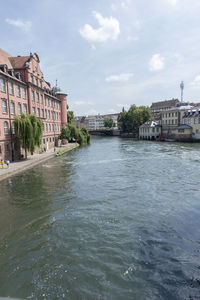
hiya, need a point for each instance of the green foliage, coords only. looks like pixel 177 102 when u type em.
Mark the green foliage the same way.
pixel 131 120
pixel 28 129
pixel 70 117
pixel 72 133
pixel 108 122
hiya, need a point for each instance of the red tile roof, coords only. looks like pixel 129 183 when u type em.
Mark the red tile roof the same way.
pixel 4 58
pixel 19 61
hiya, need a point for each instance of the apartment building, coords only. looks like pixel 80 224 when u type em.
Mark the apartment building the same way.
pixel 23 89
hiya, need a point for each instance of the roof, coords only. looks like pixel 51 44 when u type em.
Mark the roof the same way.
pixel 4 58
pixel 150 124
pixel 19 61
pixel 164 104
pixel 184 126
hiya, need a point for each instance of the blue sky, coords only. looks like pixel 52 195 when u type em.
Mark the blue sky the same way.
pixel 109 53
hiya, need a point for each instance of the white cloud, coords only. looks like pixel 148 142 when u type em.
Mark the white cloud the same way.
pixel 196 81
pixel 80 103
pixel 173 2
pixel 92 112
pixel 132 38
pixel 120 105
pixel 112 111
pixel 120 77
pixel 156 63
pixel 125 3
pixel 109 29
pixel 19 23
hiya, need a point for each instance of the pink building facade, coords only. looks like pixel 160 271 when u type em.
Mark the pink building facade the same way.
pixel 23 89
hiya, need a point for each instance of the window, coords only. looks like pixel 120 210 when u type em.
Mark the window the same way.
pixel 5 127
pixel 172 115
pixel 10 87
pixel 176 121
pixel 42 113
pixel 4 106
pixel 36 81
pixel 18 91
pixel 181 130
pixel 33 95
pixel 13 128
pixel 45 113
pixel 19 108
pixel 48 101
pixel 47 127
pixel 38 112
pixel 33 108
pixel 37 97
pixel 25 109
pixel 41 83
pixel 43 141
pixel 24 93
pixel 197 130
pixel 45 100
pixel 12 108
pixel 172 122
pixel 7 148
pixel 31 78
pixel 48 114
pixel 2 85
pixel 195 120
pixel 41 99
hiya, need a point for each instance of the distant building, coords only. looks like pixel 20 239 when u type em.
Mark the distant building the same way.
pixel 23 89
pixel 95 122
pixel 172 121
pixel 192 118
pixel 158 107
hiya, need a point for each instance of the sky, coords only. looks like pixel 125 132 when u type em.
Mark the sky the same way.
pixel 109 54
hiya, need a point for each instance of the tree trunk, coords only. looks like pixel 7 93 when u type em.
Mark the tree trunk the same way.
pixel 25 153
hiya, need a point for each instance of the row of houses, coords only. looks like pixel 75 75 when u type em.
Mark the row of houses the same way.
pixel 179 123
pixel 23 89
pixel 96 122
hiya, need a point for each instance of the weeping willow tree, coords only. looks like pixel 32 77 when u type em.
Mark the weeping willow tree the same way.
pixel 29 130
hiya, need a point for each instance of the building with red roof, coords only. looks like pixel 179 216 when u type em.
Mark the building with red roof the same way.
pixel 23 89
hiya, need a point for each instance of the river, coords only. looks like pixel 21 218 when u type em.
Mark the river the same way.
pixel 118 219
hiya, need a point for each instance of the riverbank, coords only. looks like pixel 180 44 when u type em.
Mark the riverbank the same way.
pixel 33 160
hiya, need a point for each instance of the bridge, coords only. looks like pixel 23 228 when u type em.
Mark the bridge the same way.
pixel 105 131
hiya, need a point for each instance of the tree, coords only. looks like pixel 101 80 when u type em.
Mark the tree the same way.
pixel 72 133
pixel 70 117
pixel 131 120
pixel 108 122
pixel 28 129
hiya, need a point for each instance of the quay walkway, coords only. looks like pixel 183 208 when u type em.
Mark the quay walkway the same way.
pixel 32 160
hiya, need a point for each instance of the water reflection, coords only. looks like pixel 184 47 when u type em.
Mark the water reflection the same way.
pixel 119 219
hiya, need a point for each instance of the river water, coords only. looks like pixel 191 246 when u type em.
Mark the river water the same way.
pixel 119 219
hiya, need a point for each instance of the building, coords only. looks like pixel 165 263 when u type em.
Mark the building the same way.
pixel 23 89
pixel 158 107
pixel 150 130
pixel 191 118
pixel 172 124
pixel 96 122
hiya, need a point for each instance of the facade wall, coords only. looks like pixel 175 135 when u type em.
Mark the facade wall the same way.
pixel 29 93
